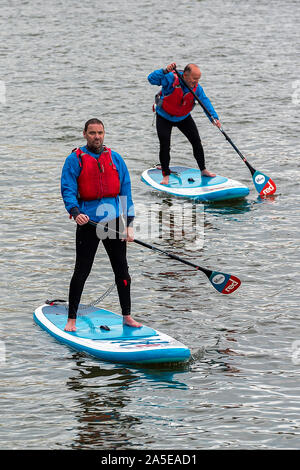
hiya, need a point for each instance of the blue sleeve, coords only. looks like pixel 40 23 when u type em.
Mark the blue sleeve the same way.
pixel 69 188
pixel 205 100
pixel 125 190
pixel 159 78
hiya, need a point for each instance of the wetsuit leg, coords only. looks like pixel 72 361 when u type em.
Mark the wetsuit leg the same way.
pixel 86 247
pixel 190 130
pixel 164 129
pixel 116 250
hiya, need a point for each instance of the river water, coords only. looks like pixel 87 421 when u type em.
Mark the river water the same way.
pixel 66 61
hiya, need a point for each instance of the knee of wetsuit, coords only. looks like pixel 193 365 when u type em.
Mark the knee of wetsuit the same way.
pixel 123 282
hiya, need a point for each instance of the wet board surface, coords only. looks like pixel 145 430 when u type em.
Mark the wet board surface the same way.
pixel 113 342
pixel 188 182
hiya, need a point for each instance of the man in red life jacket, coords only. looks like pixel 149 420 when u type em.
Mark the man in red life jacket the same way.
pixel 95 185
pixel 174 104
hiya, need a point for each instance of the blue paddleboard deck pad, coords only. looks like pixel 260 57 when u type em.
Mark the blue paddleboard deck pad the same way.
pixel 101 333
pixel 188 182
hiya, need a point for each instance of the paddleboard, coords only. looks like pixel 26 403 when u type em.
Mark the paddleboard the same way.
pixel 101 333
pixel 188 182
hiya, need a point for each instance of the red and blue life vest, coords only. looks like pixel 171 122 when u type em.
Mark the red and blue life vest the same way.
pixel 178 103
pixel 99 177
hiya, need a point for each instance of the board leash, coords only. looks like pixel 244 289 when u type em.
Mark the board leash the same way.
pixel 106 293
pixel 83 306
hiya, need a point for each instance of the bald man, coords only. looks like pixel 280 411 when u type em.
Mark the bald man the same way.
pixel 174 104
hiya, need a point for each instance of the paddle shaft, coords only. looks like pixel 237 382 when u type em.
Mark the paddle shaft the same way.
pixel 252 170
pixel 170 255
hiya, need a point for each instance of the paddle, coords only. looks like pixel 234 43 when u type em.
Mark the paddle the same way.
pixel 222 282
pixel 263 183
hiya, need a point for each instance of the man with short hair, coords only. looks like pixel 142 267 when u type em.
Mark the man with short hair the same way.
pixel 95 186
pixel 174 104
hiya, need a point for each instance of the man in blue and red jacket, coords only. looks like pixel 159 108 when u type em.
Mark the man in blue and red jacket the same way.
pixel 95 186
pixel 174 104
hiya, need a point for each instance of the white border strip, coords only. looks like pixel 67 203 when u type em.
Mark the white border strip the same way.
pixel 103 345
pixel 229 184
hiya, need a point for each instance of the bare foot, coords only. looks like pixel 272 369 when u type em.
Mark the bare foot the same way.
pixel 71 325
pixel 129 321
pixel 165 180
pixel 207 173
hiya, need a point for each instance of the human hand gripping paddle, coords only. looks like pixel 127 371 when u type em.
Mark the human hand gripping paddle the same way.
pixel 263 183
pixel 222 282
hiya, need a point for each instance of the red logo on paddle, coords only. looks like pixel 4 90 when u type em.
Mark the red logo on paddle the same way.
pixel 231 285
pixel 269 189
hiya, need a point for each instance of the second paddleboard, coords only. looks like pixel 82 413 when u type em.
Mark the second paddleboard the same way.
pixel 188 182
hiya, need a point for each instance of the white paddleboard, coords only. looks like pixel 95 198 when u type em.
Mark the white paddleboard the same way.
pixel 188 182
pixel 101 333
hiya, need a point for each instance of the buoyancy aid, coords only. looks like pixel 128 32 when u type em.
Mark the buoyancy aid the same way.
pixel 177 103
pixel 99 177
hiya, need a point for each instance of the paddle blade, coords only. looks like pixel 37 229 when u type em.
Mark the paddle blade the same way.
pixel 224 283
pixel 263 184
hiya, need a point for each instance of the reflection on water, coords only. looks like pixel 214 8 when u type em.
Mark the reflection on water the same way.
pixel 234 206
pixel 103 395
pixel 100 417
